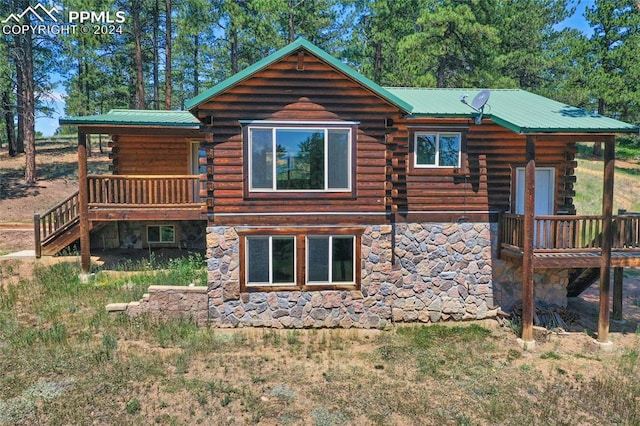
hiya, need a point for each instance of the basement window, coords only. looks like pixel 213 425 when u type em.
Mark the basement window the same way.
pixel 300 259
pixel 161 234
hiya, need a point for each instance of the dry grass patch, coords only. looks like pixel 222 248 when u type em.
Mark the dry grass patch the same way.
pixel 67 362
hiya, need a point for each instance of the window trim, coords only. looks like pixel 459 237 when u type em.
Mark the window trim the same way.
pixel 263 193
pixel 300 260
pixel 427 169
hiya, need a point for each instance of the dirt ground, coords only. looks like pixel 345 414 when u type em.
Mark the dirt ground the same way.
pixel 57 179
pixel 57 169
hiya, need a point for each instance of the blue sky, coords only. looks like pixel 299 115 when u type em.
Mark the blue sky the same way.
pixel 48 125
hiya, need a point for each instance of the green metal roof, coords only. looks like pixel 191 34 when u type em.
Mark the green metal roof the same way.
pixel 134 117
pixel 287 50
pixel 515 109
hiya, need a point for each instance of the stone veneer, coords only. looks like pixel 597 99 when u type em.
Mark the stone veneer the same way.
pixel 550 285
pixel 438 271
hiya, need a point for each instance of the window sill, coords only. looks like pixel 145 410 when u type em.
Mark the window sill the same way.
pixel 314 287
pixel 257 196
pixel 438 171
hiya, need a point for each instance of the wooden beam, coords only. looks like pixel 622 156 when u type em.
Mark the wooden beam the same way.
pixel 607 240
pixel 527 258
pixel 618 278
pixel 83 198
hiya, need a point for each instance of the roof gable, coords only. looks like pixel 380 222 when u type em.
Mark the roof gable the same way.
pixel 287 50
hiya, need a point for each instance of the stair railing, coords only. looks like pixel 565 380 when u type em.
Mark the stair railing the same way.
pixel 55 221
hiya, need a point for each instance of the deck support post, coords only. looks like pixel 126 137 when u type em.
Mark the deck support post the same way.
pixel 527 252
pixel 83 199
pixel 607 240
pixel 618 278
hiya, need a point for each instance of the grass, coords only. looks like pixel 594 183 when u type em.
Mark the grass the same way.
pixel 65 361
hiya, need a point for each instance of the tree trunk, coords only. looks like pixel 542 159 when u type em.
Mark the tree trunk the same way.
pixel 26 102
pixel 292 26
pixel 377 63
pixel 19 105
pixel 137 40
pixel 234 51
pixel 167 67
pixel 597 146
pixel 156 56
pixel 196 65
pixel 9 122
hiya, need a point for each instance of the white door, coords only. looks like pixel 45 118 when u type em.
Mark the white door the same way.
pixel 545 185
pixel 545 189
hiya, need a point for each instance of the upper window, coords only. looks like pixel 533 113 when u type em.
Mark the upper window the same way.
pixel 437 149
pixel 292 158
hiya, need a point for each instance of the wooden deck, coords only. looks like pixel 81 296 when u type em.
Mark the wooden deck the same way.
pixel 571 241
pixel 591 259
pixel 120 197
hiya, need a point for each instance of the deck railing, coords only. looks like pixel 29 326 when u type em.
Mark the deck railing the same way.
pixel 570 233
pixel 144 191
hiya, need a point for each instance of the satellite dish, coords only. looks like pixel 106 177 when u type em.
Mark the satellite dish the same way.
pixel 480 100
pixel 478 103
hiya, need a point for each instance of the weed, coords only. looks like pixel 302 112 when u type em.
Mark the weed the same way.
pixel 133 406
pixel 108 349
pixel 8 297
pixel 226 399
pixel 323 417
pixel 513 354
pixel 550 355
pixel 283 392
pixel 293 337
pixel 182 363
pixel 258 379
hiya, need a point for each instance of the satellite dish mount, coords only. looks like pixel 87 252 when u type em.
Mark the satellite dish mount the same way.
pixel 477 104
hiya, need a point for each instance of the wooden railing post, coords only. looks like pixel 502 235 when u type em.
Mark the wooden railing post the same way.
pixel 36 235
pixel 83 197
pixel 527 258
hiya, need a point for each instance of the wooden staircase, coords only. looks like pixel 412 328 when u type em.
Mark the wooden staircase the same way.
pixel 581 279
pixel 58 228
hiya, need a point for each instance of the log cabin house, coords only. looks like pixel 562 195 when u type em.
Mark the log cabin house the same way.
pixel 326 200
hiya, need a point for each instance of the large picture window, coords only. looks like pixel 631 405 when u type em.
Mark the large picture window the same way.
pixel 310 259
pixel 291 158
pixel 437 149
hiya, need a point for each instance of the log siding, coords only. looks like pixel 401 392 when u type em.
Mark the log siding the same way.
pixel 385 182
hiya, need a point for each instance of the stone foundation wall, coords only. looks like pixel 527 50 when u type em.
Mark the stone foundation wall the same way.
pixel 168 302
pixel 550 285
pixel 436 272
